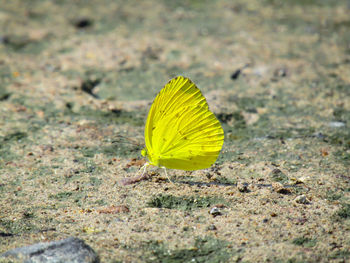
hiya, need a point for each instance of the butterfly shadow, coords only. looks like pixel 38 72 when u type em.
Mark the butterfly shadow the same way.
pixel 200 184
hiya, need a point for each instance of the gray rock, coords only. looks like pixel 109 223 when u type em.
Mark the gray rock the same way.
pixel 69 250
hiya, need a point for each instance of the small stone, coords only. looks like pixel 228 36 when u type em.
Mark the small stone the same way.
pixel 71 172
pixel 215 211
pixel 280 72
pixel 336 124
pixel 302 180
pixel 83 22
pixel 242 187
pixel 301 199
pixel 47 148
pixel 68 250
pixel 235 74
pixel 279 188
pixel 212 227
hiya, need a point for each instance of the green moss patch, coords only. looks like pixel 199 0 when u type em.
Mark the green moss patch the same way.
pixel 13 137
pixel 183 203
pixel 67 196
pixel 304 241
pixel 125 149
pixel 205 249
pixel 222 180
pixel 340 255
pixel 25 44
pixel 344 212
pixel 278 176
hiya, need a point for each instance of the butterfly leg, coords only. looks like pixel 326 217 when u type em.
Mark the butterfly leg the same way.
pixel 144 167
pixel 167 176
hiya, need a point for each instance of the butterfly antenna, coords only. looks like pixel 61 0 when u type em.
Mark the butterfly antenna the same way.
pixel 168 176
pixel 123 139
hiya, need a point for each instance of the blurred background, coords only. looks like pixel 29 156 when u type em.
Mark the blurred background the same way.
pixel 266 67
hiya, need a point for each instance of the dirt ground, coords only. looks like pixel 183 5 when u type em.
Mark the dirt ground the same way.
pixel 77 79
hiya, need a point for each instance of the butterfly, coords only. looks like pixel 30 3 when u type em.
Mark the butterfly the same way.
pixel 181 132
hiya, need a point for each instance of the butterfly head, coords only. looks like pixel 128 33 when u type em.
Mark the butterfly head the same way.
pixel 144 152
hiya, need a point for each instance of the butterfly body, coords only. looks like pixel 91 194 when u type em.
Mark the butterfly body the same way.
pixel 181 132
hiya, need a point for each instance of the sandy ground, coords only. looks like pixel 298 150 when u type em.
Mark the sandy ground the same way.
pixel 77 79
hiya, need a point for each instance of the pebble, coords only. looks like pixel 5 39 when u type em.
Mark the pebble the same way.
pixel 235 74
pixel 301 199
pixel 242 187
pixel 212 227
pixel 215 211
pixel 302 180
pixel 280 188
pixel 83 22
pixel 68 250
pixel 281 72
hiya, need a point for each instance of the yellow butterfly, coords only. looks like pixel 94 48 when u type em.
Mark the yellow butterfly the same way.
pixel 181 132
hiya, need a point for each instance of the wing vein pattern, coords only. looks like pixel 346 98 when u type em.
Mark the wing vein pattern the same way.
pixel 181 132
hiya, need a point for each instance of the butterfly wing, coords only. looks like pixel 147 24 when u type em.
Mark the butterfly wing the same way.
pixel 179 92
pixel 193 142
